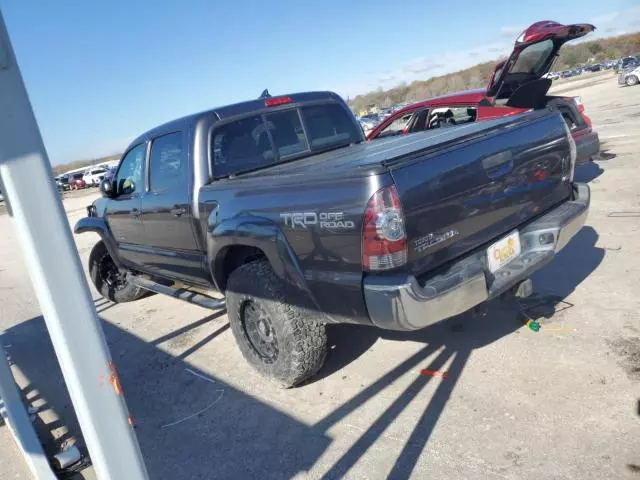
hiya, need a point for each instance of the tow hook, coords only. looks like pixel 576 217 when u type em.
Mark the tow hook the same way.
pixel 524 290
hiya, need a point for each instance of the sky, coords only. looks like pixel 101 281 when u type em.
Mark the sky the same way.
pixel 100 73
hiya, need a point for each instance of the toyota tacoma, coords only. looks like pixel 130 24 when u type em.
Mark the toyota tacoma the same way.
pixel 278 210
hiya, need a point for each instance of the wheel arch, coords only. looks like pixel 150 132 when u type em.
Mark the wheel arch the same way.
pixel 242 239
pixel 99 225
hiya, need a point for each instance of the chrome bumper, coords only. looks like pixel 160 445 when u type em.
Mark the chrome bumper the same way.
pixel 401 302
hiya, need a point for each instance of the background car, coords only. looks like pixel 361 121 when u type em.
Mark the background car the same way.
pixel 93 177
pixel 510 91
pixel 630 76
pixel 627 62
pixel 110 173
pixel 76 181
pixel 63 183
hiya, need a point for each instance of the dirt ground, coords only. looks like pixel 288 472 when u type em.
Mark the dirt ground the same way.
pixel 562 403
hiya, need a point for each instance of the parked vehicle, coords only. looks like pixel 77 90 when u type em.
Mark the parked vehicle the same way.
pixel 367 124
pixel 62 183
pixel 93 177
pixel 76 181
pixel 514 89
pixel 630 77
pixel 569 73
pixel 627 62
pixel 282 205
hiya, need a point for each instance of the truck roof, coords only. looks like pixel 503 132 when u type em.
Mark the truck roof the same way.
pixel 236 109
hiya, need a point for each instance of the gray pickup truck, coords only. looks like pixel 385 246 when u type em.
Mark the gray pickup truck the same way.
pixel 282 206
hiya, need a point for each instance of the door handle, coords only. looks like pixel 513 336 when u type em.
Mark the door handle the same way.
pixel 177 212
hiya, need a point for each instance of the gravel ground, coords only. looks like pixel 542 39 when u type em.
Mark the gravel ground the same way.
pixel 561 403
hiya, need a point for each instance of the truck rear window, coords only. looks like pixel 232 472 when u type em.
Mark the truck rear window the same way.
pixel 262 140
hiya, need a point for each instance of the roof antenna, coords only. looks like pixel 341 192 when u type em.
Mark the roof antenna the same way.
pixel 265 94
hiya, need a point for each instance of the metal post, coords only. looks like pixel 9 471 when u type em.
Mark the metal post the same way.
pixel 59 281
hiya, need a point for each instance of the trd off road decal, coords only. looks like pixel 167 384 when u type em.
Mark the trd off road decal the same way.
pixel 323 220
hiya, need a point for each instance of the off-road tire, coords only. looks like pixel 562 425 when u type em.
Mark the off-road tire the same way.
pixel 299 345
pixel 121 292
pixel 631 80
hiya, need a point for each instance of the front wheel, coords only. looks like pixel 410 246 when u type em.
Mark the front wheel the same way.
pixel 279 337
pixel 110 282
pixel 631 80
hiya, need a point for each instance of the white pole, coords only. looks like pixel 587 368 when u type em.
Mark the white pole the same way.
pixel 77 337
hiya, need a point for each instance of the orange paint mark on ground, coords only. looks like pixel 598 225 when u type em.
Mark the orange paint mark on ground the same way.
pixel 434 373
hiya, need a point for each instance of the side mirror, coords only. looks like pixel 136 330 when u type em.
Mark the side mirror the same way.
pixel 107 189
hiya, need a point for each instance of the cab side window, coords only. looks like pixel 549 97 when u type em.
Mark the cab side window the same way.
pixel 167 163
pixel 396 127
pixel 130 175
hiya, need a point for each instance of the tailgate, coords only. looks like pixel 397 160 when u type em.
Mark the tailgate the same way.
pixel 479 186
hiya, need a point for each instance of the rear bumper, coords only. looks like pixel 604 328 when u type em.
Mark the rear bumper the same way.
pixel 402 302
pixel 587 146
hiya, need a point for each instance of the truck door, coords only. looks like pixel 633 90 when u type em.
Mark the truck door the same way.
pixel 167 213
pixel 123 211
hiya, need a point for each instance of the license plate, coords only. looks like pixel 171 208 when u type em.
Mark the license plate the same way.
pixel 503 251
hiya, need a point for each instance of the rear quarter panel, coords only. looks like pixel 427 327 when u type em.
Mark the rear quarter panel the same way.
pixel 320 219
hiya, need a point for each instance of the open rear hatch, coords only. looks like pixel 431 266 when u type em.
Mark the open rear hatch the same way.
pixel 482 182
pixel 532 57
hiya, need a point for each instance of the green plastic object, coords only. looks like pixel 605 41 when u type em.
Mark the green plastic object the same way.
pixel 533 325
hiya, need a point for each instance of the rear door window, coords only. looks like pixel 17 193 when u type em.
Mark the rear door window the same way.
pixel 167 163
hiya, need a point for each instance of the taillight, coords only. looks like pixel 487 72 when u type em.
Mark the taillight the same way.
pixel 384 241
pixel 579 104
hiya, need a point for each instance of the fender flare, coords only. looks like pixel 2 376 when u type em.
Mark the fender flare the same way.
pixel 257 232
pixel 99 225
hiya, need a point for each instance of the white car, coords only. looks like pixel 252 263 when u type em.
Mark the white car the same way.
pixel 630 76
pixel 94 177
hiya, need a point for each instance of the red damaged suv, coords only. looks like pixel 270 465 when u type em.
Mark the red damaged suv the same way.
pixel 516 85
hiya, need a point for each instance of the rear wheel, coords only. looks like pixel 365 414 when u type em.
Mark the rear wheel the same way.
pixel 110 281
pixel 279 337
pixel 631 80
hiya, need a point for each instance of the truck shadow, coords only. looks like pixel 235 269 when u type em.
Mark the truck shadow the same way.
pixel 191 424
pixel 454 339
pixel 555 282
pixel 588 172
